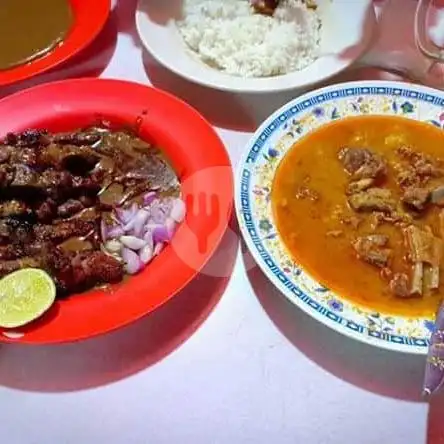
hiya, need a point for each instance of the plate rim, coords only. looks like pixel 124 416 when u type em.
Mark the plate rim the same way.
pixel 194 270
pixel 246 89
pixel 323 319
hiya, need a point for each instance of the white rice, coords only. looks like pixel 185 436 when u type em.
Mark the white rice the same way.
pixel 229 36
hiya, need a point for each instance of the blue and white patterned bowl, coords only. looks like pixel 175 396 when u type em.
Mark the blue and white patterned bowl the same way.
pixel 255 175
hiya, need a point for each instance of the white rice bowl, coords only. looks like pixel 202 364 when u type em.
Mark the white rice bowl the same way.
pixel 348 28
pixel 229 36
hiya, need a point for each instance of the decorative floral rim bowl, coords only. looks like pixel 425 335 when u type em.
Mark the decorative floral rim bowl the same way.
pixel 255 175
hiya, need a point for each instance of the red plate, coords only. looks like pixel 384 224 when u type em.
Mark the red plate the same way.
pixel 199 158
pixel 89 18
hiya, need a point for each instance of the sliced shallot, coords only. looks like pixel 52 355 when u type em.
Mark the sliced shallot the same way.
pixel 103 230
pixel 115 232
pixel 146 254
pixel 140 220
pixel 132 242
pixel 133 264
pixel 113 246
pixel 158 248
pixel 178 210
pixel 161 234
pixel 149 198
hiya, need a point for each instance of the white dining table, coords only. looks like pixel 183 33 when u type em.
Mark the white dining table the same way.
pixel 228 360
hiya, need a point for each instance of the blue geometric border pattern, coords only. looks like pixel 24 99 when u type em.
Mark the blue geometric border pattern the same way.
pixel 246 208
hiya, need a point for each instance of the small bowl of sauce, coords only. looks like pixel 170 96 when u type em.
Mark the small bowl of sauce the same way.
pixel 30 29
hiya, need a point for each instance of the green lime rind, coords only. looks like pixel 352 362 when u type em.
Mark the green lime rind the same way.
pixel 24 296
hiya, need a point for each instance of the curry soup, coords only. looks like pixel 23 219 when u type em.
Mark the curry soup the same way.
pixel 31 28
pixel 328 203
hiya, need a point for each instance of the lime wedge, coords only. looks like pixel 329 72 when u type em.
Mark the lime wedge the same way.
pixel 24 296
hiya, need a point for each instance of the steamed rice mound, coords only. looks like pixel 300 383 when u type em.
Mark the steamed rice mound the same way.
pixel 229 36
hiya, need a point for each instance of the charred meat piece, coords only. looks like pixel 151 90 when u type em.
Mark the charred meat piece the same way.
pixel 400 286
pixel 68 156
pixel 29 138
pixel 10 252
pixel 59 232
pixel 5 153
pixel 24 176
pixel 19 231
pixel 55 179
pixel 13 208
pixel 77 139
pixel 62 184
pixel 23 156
pixel 86 183
pixel 69 208
pixel 373 199
pixel 373 249
pixel 15 231
pixel 14 251
pixel 265 7
pixel 7 173
pixel 7 267
pixel 416 198
pixel 46 210
pixel 59 264
pixel 102 268
pixel 362 163
pixel 76 272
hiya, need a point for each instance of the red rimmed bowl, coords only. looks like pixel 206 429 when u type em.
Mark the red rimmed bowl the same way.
pixel 89 19
pixel 197 155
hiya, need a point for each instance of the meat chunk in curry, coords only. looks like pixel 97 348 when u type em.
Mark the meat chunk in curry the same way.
pixel 387 173
pixel 373 249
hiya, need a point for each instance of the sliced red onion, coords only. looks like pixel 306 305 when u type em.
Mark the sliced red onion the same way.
pixel 115 232
pixel 132 242
pixel 160 211
pixel 140 220
pixel 148 238
pixel 130 225
pixel 133 264
pixel 125 215
pixel 149 198
pixel 113 246
pixel 146 254
pixel 178 210
pixel 158 248
pixel 161 234
pixel 170 225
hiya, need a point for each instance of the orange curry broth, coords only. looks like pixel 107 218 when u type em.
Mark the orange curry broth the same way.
pixel 303 224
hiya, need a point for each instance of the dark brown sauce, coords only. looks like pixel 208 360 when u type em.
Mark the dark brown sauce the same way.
pixel 77 245
pixel 31 28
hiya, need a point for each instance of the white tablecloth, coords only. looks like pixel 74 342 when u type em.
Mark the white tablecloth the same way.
pixel 229 360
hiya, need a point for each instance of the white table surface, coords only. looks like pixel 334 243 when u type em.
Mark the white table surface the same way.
pixel 226 361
